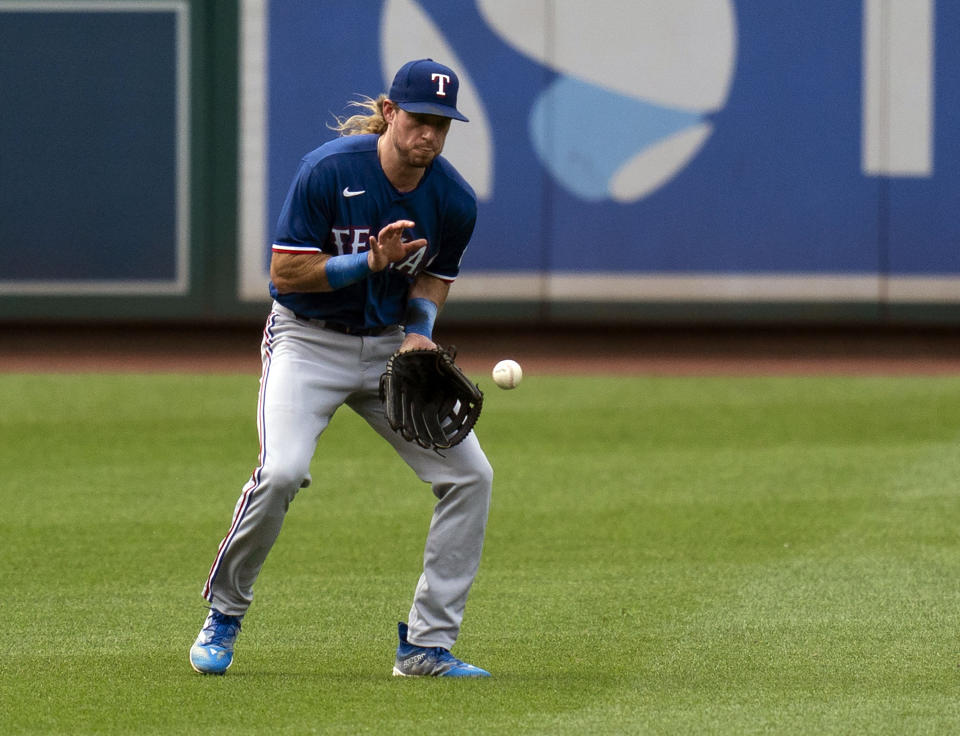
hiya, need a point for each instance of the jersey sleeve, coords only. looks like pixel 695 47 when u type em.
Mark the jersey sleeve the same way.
pixel 460 218
pixel 304 222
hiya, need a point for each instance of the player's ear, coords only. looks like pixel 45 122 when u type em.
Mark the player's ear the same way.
pixel 389 110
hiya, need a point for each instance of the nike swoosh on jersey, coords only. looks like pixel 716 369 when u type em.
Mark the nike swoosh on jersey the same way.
pixel 348 193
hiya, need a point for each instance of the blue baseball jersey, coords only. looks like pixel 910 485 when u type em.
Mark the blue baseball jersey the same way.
pixel 340 197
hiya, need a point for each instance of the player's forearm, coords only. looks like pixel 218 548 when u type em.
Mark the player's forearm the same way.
pixel 301 272
pixel 427 296
pixel 305 272
pixel 317 272
pixel 432 288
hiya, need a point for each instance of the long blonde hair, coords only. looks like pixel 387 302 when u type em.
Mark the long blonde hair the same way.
pixel 370 122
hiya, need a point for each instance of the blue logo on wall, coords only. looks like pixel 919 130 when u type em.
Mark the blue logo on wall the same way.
pixel 634 84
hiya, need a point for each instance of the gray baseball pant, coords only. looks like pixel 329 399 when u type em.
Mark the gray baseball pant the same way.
pixel 308 372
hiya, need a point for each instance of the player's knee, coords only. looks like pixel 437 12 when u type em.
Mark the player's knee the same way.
pixel 287 480
pixel 484 473
pixel 478 472
pixel 476 478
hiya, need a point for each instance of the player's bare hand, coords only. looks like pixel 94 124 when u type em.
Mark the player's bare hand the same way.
pixel 390 247
pixel 416 341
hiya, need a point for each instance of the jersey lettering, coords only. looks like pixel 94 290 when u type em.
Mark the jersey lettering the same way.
pixel 443 80
pixel 350 240
pixel 411 264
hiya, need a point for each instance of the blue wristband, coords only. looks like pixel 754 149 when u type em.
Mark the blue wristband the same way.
pixel 421 314
pixel 345 270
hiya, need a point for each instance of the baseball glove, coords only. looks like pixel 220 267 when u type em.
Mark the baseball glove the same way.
pixel 428 399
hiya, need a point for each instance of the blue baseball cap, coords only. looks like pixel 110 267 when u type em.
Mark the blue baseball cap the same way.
pixel 426 87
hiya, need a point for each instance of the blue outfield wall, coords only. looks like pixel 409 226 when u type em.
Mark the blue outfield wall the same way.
pixel 691 160
pixel 89 148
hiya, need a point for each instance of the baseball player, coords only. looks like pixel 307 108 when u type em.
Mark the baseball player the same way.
pixel 368 242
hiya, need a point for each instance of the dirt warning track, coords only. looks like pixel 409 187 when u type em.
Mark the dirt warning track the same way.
pixel 234 348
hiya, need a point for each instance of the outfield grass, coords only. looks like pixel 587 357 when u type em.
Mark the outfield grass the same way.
pixel 665 556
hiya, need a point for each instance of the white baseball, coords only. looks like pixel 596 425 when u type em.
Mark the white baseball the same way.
pixel 507 374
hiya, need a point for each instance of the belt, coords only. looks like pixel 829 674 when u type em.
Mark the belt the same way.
pixel 345 329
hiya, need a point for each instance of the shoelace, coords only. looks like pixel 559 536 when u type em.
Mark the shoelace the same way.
pixel 444 656
pixel 222 629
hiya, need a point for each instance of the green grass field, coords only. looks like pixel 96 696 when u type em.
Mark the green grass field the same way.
pixel 664 556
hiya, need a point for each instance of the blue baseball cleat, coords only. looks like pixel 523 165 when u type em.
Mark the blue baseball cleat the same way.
pixel 414 661
pixel 212 652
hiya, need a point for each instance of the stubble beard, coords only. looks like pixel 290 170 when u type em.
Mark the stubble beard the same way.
pixel 418 158
pixel 414 156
